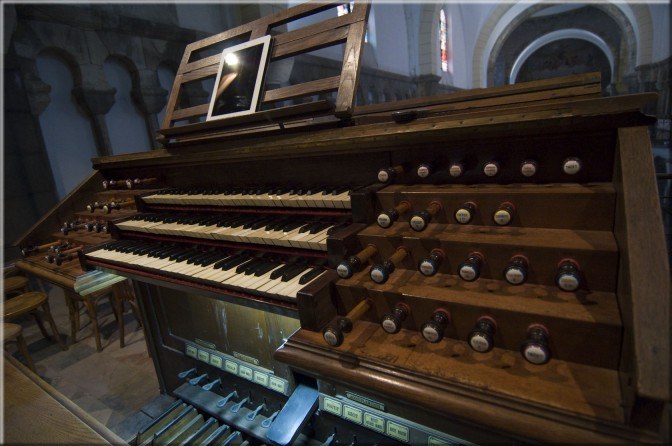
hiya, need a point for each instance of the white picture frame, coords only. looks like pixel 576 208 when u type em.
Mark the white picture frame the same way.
pixel 239 79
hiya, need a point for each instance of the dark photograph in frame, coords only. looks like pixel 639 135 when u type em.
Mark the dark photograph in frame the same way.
pixel 239 79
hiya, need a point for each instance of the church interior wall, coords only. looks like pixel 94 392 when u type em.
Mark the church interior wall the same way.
pixel 122 59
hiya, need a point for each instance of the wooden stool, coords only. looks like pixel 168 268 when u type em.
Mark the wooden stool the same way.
pixel 118 294
pixel 15 285
pixel 29 303
pixel 13 333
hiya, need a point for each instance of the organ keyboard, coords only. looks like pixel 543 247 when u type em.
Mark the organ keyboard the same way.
pixel 272 276
pixel 336 197
pixel 282 231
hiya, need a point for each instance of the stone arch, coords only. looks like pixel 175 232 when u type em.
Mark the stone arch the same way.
pixel 634 21
pixel 563 34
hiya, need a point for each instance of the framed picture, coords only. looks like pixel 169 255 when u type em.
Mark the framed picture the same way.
pixel 239 79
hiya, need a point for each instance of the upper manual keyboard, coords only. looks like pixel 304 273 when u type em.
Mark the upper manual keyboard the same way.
pixel 331 197
pixel 274 230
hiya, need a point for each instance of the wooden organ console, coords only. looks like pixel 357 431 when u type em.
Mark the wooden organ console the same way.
pixel 282 281
pixel 482 267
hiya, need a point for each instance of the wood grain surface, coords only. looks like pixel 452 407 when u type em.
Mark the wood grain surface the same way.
pixel 36 413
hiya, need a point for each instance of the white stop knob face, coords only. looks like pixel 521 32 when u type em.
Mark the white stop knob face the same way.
pixel 528 169
pixel 330 338
pixel 456 170
pixel 515 276
pixel 417 223
pixel 463 216
pixel 430 334
pixel 377 276
pixel 535 354
pixel 490 169
pixel 568 282
pixel 427 268
pixel 502 217
pixel 383 176
pixel 468 273
pixel 423 171
pixel 389 326
pixel 384 221
pixel 479 343
pixel 343 271
pixel 571 166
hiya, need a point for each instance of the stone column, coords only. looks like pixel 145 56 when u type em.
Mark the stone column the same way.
pixel 96 97
pixel 428 85
pixel 150 97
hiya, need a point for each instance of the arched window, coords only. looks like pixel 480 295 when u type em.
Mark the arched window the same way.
pixel 445 45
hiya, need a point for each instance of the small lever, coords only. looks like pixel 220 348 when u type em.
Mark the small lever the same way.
pixel 252 415
pixel 329 440
pixel 221 403
pixel 236 407
pixel 195 381
pixel 209 386
pixel 186 373
pixel 268 421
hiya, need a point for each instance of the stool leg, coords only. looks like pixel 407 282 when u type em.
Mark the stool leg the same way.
pixel 91 308
pixel 50 319
pixel 23 348
pixel 136 312
pixel 118 305
pixel 74 315
pixel 40 325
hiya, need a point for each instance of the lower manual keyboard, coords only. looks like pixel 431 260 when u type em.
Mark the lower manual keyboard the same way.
pixel 275 276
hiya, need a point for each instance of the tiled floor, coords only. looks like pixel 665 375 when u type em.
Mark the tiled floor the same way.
pixel 116 386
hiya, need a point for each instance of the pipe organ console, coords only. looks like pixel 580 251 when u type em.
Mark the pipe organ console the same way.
pixel 511 287
pixel 501 278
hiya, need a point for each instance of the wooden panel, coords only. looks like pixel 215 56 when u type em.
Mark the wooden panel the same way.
pixel 76 200
pixel 175 94
pixel 644 273
pixel 307 88
pixel 205 62
pixel 590 82
pixel 595 251
pixel 201 73
pixel 347 90
pixel 559 403
pixel 184 113
pixel 36 413
pixel 585 206
pixel 309 43
pixel 584 328
pixel 307 31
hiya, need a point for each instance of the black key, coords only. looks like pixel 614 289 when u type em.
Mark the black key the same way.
pixel 310 275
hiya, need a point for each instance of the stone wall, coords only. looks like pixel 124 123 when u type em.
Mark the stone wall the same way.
pixel 84 36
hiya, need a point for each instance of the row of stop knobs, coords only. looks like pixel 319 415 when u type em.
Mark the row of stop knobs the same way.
pixel 463 215
pixel 534 348
pixel 491 168
pixel 568 277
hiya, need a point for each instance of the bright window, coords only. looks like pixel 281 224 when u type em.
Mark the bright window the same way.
pixel 445 52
